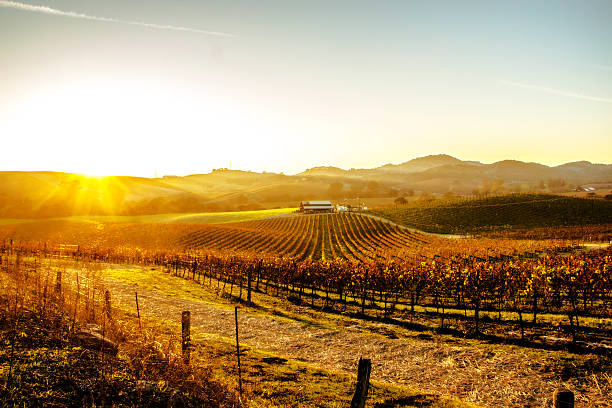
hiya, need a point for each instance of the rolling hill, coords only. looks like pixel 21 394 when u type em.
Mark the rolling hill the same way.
pixel 499 213
pixel 51 194
pixel 321 236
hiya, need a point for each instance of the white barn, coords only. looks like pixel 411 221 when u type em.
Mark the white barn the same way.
pixel 316 206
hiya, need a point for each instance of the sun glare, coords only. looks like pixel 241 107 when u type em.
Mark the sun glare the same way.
pixel 92 177
pixel 109 128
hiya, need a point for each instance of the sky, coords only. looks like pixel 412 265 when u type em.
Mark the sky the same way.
pixel 155 87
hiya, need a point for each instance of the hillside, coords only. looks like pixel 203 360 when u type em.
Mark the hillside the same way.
pixel 325 236
pixel 499 213
pixel 322 236
pixel 51 194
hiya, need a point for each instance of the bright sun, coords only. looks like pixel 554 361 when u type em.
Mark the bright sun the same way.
pixel 102 128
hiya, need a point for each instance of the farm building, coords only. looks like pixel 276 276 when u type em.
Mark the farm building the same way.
pixel 350 208
pixel 316 206
pixel 589 189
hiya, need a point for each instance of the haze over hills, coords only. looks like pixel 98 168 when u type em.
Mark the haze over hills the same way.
pixel 51 194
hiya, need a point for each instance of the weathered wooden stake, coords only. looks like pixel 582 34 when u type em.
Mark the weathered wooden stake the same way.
pixel 186 323
pixel 76 303
pixel 363 383
pixel 238 352
pixel 249 287
pixel 563 398
pixel 137 309
pixel 58 282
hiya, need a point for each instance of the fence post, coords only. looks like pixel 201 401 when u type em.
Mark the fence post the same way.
pixel 363 383
pixel 76 303
pixel 137 309
pixel 249 278
pixel 58 282
pixel 186 344
pixel 563 398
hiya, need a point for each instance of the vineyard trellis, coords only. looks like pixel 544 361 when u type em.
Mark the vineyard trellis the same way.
pixel 376 265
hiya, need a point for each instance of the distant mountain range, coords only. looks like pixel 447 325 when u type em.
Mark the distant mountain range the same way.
pixel 51 194
pixel 448 166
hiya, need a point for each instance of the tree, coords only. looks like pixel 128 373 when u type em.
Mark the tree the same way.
pixel 490 186
pixel 425 196
pixel 557 185
pixel 400 201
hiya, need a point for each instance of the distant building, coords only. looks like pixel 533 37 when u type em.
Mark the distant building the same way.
pixel 316 206
pixel 356 208
pixel 346 207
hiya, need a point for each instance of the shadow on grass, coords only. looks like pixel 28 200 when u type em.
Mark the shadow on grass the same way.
pixel 426 331
pixel 272 311
pixel 420 400
pixel 578 347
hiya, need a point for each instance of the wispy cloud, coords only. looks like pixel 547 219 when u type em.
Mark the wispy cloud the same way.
pixel 558 92
pixel 72 14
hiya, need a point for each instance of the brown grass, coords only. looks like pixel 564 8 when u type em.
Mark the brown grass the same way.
pixel 55 371
pixel 46 365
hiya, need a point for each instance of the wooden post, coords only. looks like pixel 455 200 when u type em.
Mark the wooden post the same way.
pixel 238 352
pixel 249 287
pixel 58 282
pixel 186 325
pixel 258 276
pixel 363 383
pixel 76 303
pixel 363 295
pixel 137 309
pixel 563 398
pixel 107 304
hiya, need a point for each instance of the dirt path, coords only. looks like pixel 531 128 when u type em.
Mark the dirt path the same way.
pixel 477 374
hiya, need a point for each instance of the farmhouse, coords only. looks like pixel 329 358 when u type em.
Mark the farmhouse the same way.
pixel 316 206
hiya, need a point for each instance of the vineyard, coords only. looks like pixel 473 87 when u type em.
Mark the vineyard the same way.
pixel 343 259
pixel 324 236
pixel 585 233
pixel 551 294
pixel 481 214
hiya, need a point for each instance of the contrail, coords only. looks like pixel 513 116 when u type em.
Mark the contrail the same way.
pixel 558 92
pixel 72 14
